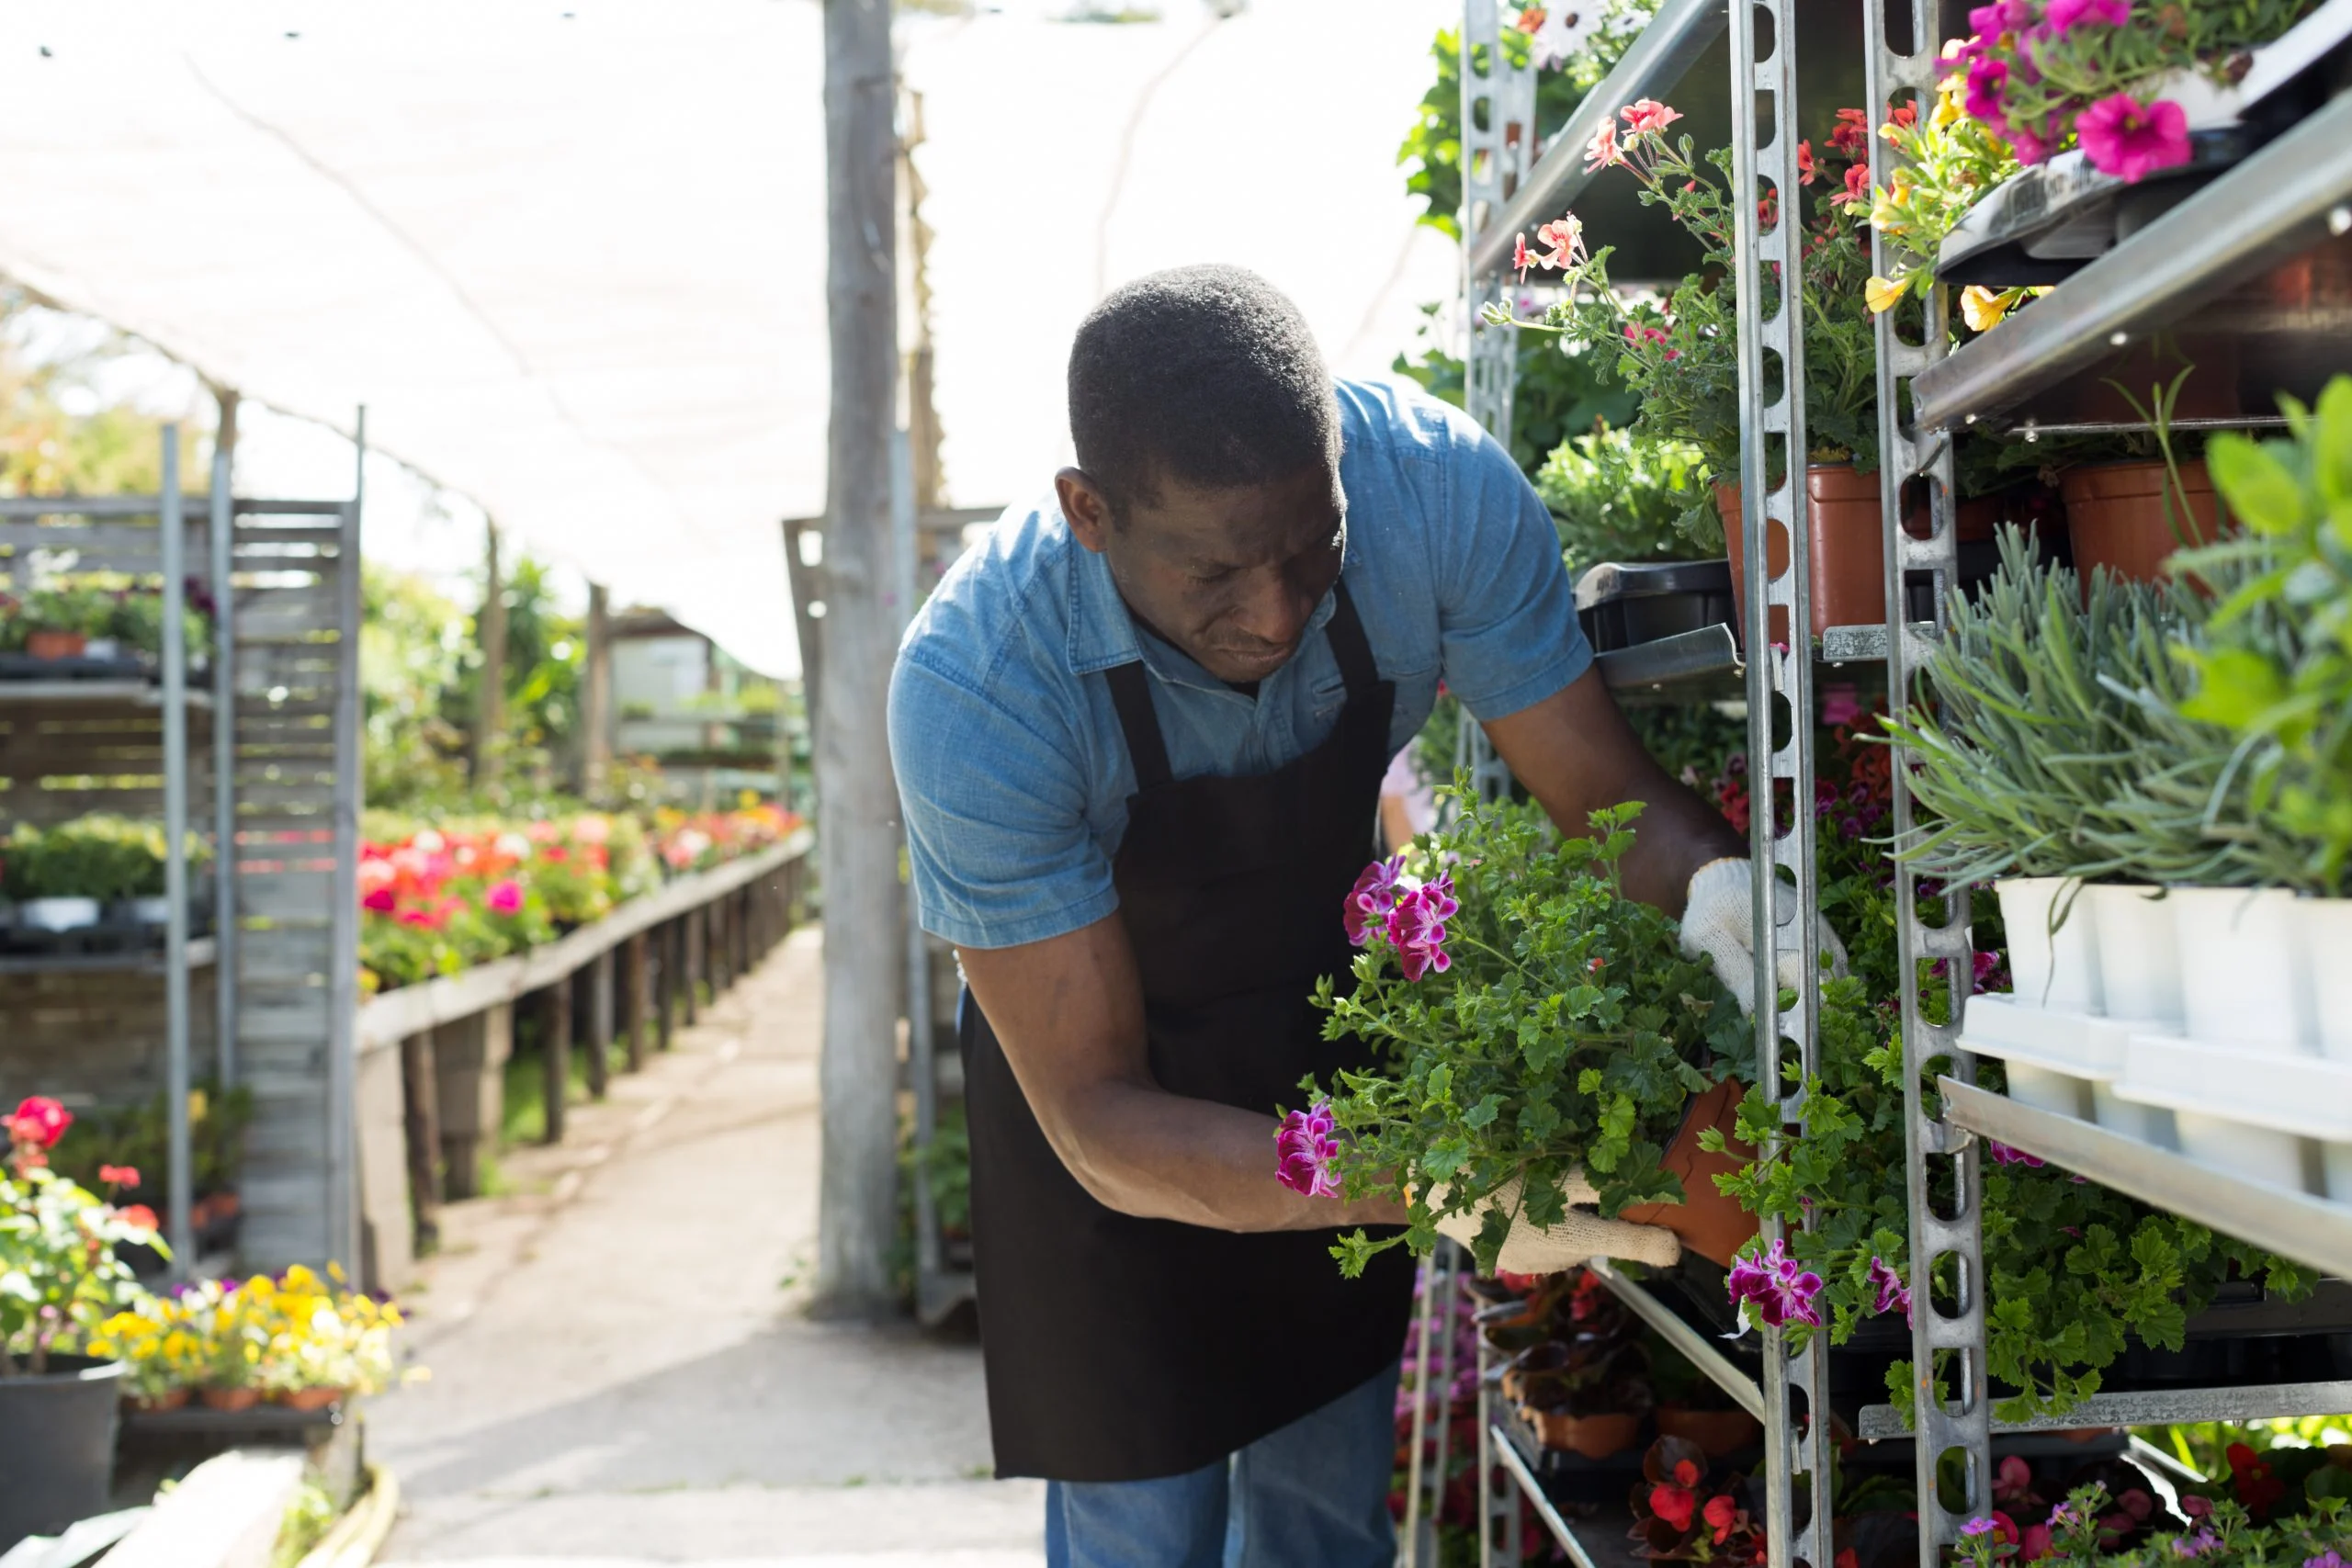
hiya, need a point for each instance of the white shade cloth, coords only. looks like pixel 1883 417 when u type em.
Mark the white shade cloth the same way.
pixel 572 257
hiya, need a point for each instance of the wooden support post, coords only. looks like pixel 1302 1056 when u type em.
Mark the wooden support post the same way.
pixel 669 950
pixel 596 699
pixel 691 965
pixel 599 978
pixel 421 1116
pixel 489 703
pixel 557 1061
pixel 640 1000
pixel 715 952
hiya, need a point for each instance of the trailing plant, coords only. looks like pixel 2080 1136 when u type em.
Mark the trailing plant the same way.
pixel 2272 669
pixel 2050 73
pixel 1680 359
pixel 1534 1022
pixel 2089 1528
pixel 1952 161
pixel 1615 496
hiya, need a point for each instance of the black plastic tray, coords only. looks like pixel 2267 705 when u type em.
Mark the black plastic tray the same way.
pixel 1622 606
pixel 122 666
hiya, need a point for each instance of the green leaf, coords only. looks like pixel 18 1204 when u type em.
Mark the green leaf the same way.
pixel 2261 491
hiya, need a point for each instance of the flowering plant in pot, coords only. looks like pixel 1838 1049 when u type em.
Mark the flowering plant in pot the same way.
pixel 1680 359
pixel 59 1278
pixel 2108 75
pixel 1618 496
pixel 1684 1512
pixel 1540 1030
pixel 1952 159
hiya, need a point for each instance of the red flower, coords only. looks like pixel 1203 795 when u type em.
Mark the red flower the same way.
pixel 1805 170
pixel 1675 1504
pixel 118 1174
pixel 1723 1514
pixel 1531 19
pixel 1686 1472
pixel 2258 1491
pixel 1645 116
pixel 1906 117
pixel 1858 186
pixel 1853 133
pixel 140 1216
pixel 39 1121
pixel 555 854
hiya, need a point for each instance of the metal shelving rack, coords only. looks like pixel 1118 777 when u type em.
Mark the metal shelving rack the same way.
pixel 2291 196
pixel 2282 201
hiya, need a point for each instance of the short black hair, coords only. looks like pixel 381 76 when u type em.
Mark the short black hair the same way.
pixel 1206 376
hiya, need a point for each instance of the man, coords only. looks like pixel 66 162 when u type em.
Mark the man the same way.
pixel 1139 737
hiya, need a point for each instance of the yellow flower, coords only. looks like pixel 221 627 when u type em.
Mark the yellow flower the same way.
pixel 1983 308
pixel 1881 295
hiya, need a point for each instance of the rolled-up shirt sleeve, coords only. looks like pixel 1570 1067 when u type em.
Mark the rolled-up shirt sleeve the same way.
pixel 1506 611
pixel 998 843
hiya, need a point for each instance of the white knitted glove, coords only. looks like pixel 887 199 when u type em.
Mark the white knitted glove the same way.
pixel 1718 924
pixel 1532 1249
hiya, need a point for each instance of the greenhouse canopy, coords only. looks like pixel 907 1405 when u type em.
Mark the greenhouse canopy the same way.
pixel 569 253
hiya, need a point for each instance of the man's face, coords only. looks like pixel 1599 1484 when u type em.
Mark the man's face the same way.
pixel 1227 576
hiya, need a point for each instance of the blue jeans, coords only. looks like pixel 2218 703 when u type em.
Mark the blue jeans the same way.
pixel 1314 1494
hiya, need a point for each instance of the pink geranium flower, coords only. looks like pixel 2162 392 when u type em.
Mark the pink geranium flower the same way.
pixel 505 898
pixel 1645 117
pixel 2131 140
pixel 1782 1290
pixel 1892 1291
pixel 1417 930
pixel 1304 1151
pixel 1563 239
pixel 1602 151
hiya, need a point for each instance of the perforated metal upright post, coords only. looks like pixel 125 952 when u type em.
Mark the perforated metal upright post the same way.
pixel 1769 240
pixel 1498 145
pixel 1963 1422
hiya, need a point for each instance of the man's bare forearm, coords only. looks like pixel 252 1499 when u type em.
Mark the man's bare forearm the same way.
pixel 1144 1151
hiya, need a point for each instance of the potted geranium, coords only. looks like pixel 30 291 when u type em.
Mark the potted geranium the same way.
pixel 1682 359
pixel 1546 1044
pixel 59 1279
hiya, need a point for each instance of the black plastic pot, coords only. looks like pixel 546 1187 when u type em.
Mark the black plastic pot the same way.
pixel 56 1446
pixel 1622 606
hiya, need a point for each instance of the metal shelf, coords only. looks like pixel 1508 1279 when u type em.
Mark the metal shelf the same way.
pixel 1583 1550
pixel 2310 1229
pixel 2246 1402
pixel 1693 1346
pixel 2285 199
pixel 127 689
pixel 1704 663
pixel 202 952
pixel 1670 45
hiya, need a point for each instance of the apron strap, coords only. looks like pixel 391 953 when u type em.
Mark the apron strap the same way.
pixel 1349 645
pixel 1131 694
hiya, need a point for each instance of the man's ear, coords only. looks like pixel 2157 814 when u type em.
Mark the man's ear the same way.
pixel 1085 509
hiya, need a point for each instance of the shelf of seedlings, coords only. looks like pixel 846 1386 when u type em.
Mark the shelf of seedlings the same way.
pixel 2238 260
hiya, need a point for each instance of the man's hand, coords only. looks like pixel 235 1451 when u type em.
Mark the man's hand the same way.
pixel 1578 1239
pixel 1719 923
pixel 1069 1012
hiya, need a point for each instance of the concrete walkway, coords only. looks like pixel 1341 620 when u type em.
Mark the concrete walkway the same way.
pixel 620 1371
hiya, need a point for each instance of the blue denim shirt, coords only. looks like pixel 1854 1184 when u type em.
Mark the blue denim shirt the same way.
pixel 1013 771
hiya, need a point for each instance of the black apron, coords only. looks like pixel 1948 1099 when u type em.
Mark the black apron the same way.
pixel 1120 1349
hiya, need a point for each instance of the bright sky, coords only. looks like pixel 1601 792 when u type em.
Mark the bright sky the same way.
pixel 570 251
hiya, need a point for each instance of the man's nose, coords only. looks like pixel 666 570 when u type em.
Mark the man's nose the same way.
pixel 1275 609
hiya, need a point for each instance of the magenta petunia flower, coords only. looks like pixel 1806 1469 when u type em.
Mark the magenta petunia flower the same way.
pixel 2004 1154
pixel 505 898
pixel 1782 1290
pixel 2131 140
pixel 2064 16
pixel 1304 1151
pixel 1372 898
pixel 1987 80
pixel 1892 1291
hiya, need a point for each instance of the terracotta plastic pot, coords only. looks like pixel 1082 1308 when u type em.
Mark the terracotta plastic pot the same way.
pixel 171 1399
pixel 56 644
pixel 1717 1432
pixel 1848 550
pixel 2116 516
pixel 1711 1225
pixel 1594 1437
pixel 310 1398
pixel 230 1399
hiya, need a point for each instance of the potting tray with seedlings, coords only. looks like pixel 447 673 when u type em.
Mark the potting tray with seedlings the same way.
pixel 92 885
